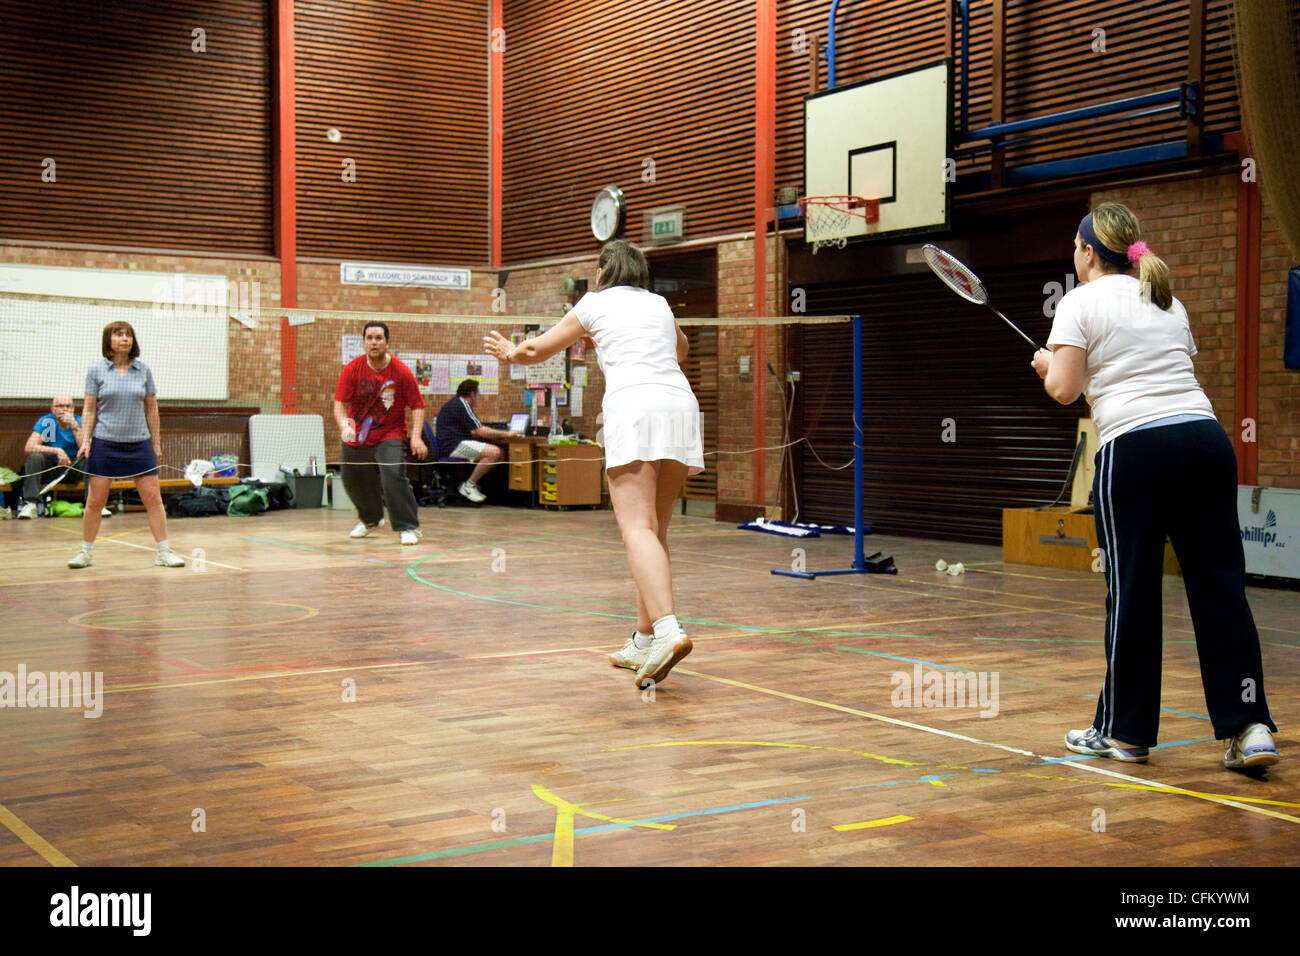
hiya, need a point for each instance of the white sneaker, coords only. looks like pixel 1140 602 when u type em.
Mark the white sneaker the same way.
pixel 664 655
pixel 362 529
pixel 1250 749
pixel 28 510
pixel 105 513
pixel 412 536
pixel 470 490
pixel 167 558
pixel 631 656
pixel 81 559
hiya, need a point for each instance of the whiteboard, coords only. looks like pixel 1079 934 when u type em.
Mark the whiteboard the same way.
pixel 285 441
pixel 47 346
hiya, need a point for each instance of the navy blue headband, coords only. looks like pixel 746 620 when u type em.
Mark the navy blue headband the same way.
pixel 1089 237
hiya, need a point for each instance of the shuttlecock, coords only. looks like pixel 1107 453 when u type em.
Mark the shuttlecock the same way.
pixel 941 565
pixel 333 135
pixel 955 569
pixel 196 470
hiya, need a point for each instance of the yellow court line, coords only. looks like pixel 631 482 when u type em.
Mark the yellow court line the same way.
pixel 110 537
pixel 1226 801
pixel 887 821
pixel 32 838
pixel 943 766
pixel 111 626
pixel 143 547
pixel 562 846
pixel 1016 574
pixel 911 620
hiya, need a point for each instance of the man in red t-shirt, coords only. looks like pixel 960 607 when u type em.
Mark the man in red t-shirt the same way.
pixel 370 404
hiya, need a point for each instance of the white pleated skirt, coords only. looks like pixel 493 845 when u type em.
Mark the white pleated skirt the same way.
pixel 651 423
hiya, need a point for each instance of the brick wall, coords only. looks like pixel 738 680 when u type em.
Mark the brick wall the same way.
pixel 1192 225
pixel 1279 387
pixel 736 434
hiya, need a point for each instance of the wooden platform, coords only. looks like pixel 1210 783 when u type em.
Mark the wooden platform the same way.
pixel 1058 537
pixel 314 699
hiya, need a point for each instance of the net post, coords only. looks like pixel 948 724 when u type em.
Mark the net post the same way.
pixel 859 557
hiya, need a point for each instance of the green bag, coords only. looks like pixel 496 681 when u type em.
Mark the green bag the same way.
pixel 67 509
pixel 246 501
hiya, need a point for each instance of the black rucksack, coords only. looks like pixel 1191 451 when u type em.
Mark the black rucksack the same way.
pixel 198 503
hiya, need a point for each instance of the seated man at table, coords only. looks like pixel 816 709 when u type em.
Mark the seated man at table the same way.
pixel 462 435
pixel 52 445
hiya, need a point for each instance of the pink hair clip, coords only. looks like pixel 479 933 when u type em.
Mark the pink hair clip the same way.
pixel 1137 251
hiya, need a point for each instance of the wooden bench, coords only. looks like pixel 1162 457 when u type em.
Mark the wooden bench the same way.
pixel 168 486
pixel 189 432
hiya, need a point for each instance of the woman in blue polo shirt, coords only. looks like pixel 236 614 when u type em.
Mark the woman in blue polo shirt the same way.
pixel 122 438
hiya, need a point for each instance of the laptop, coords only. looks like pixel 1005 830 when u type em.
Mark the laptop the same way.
pixel 519 422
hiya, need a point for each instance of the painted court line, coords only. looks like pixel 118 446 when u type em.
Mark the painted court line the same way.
pixel 1140 783
pixel 32 838
pixel 867 824
pixel 131 544
pixel 579 831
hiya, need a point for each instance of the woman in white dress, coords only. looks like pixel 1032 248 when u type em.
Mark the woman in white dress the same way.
pixel 651 434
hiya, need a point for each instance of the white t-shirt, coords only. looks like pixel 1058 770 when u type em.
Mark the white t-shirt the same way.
pixel 1139 358
pixel 635 336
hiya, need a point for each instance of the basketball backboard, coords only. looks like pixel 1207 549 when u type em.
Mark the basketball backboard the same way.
pixel 885 139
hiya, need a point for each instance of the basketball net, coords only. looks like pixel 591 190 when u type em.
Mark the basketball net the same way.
pixel 827 218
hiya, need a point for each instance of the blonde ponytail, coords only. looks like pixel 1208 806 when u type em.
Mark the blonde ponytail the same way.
pixel 1153 275
pixel 1118 229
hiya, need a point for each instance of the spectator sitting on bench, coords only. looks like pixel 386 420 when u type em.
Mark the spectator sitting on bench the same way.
pixel 52 444
pixel 462 435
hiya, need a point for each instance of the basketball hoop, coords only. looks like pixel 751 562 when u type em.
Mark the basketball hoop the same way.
pixel 827 218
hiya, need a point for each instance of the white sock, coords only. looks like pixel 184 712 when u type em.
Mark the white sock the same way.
pixel 666 627
pixel 88 546
pixel 642 640
pixel 162 545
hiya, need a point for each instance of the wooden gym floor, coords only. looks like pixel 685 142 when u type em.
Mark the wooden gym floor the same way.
pixel 488 727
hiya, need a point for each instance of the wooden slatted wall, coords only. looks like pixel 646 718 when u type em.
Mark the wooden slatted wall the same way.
pixel 595 89
pixel 930 357
pixel 154 144
pixel 1050 65
pixel 405 82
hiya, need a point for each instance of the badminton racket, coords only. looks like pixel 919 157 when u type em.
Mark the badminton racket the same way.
pixel 965 283
pixel 369 418
pixel 58 478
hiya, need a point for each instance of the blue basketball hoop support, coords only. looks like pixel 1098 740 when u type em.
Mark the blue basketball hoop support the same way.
pixel 860 563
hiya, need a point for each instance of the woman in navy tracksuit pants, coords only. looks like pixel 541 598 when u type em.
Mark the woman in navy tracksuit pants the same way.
pixel 1165 468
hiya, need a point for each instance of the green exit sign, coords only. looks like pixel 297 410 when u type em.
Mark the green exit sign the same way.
pixel 665 223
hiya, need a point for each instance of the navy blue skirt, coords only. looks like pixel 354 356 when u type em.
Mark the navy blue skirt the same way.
pixel 118 459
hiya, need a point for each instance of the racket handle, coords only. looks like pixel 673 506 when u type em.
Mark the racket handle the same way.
pixel 1015 327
